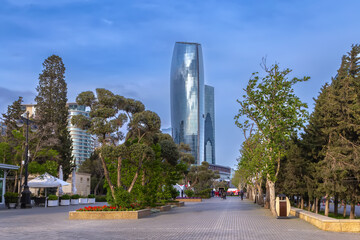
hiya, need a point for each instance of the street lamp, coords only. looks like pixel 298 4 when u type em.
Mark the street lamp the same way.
pixel 26 194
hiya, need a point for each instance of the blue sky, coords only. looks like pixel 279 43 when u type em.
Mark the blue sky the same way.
pixel 126 47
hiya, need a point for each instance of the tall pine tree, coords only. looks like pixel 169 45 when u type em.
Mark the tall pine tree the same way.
pixel 51 110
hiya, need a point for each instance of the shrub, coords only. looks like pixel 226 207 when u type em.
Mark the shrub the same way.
pixel 11 197
pixel 53 197
pixel 81 196
pixel 75 196
pixel 100 198
pixel 190 193
pixel 123 198
pixel 91 196
pixel 65 197
pixel 206 193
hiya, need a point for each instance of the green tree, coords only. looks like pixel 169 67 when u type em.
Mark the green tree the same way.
pixel 270 103
pixel 52 112
pixel 136 163
pixel 201 177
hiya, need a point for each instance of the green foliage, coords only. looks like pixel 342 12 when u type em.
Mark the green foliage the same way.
pixel 270 104
pixel 206 193
pixel 201 177
pixel 100 198
pixel 50 167
pixel 53 197
pixel 136 164
pixel 11 197
pixel 190 193
pixel 91 196
pixel 65 197
pixel 75 196
pixel 122 198
pixel 52 112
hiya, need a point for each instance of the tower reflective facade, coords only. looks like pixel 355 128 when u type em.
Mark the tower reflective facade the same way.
pixel 209 151
pixel 187 97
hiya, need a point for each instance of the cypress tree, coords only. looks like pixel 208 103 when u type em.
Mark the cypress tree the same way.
pixel 51 110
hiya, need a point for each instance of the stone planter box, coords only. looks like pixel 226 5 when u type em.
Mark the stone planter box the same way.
pixel 64 202
pixel 53 203
pixel 74 201
pixel 83 200
pixel 91 200
pixel 164 208
pixel 189 200
pixel 108 215
pixel 327 223
pixel 177 203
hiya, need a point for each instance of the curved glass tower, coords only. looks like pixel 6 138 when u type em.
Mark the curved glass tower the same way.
pixel 187 97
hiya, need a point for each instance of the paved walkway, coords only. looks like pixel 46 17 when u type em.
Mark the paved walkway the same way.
pixel 211 219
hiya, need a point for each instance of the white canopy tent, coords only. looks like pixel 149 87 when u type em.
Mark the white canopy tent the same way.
pixel 46 181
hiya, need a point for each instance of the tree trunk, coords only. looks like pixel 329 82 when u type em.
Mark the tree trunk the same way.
pixel 352 210
pixel 135 177
pixel 15 181
pixel 143 178
pixel 336 203
pixel 261 198
pixel 302 202
pixel 327 206
pixel 313 205
pixel 309 205
pixel 272 196
pixel 107 176
pixel 317 205
pixel 98 184
pixel 267 196
pixel 298 201
pixel 119 172
pixel 344 210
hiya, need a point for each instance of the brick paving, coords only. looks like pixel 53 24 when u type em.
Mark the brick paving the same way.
pixel 211 219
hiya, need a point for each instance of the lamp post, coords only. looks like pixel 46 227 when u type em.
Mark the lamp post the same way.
pixel 26 194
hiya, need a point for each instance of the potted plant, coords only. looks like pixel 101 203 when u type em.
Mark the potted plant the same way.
pixel 83 200
pixel 53 201
pixel 11 199
pixel 65 200
pixel 91 198
pixel 75 199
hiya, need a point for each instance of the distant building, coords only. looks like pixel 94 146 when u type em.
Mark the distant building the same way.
pixel 82 142
pixel 209 149
pixel 224 172
pixel 192 102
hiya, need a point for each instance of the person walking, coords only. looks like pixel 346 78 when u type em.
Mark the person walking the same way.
pixel 242 194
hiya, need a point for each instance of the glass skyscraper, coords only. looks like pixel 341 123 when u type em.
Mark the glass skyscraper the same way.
pixel 209 150
pixel 187 97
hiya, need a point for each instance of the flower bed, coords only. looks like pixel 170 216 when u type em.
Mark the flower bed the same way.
pixel 105 208
pixel 107 212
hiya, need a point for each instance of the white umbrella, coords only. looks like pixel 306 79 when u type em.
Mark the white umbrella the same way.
pixel 61 178
pixel 73 189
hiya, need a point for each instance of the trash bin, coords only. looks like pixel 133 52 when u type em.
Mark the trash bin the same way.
pixel 282 206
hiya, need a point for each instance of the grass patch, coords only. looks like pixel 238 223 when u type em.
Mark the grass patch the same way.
pixel 339 216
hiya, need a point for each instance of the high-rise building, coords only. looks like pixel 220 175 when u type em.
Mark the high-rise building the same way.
pixel 82 142
pixel 209 150
pixel 187 97
pixel 190 103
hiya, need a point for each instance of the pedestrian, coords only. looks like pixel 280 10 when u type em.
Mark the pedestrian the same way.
pixel 242 194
